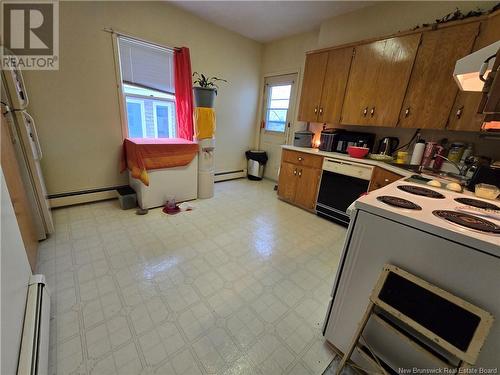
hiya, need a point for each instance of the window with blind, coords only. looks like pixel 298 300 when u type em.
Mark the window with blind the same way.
pixel 147 73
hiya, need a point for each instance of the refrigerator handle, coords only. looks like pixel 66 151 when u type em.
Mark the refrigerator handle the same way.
pixel 34 135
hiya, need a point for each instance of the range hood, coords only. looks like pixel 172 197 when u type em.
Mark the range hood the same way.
pixel 470 69
pixel 480 72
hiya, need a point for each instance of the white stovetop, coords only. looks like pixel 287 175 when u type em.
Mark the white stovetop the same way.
pixel 425 220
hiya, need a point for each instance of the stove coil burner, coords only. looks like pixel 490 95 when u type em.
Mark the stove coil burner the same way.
pixel 424 192
pixel 398 202
pixel 477 203
pixel 468 221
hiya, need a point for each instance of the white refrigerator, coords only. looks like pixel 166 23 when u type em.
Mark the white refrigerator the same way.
pixel 28 151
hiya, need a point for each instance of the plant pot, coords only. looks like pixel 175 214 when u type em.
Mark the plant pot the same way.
pixel 204 97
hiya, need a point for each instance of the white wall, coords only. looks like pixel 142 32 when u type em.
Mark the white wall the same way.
pixel 382 18
pixel 76 108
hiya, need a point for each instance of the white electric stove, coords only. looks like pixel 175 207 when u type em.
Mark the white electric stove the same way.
pixel 438 236
pixel 455 216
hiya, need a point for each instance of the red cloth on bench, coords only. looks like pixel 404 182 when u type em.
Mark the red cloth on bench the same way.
pixel 143 154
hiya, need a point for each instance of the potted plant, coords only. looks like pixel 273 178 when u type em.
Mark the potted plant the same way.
pixel 205 90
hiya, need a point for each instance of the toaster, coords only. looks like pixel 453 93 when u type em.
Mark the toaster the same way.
pixel 303 138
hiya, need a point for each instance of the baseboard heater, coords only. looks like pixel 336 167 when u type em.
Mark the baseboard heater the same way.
pixel 34 354
pixel 83 196
pixel 229 175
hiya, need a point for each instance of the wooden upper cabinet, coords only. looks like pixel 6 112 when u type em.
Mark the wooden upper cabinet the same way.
pixel 335 82
pixel 432 89
pixel 463 115
pixel 312 86
pixel 378 80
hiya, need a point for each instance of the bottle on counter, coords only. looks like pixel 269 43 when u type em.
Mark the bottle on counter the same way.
pixel 429 151
pixel 438 162
pixel 456 151
pixel 468 152
pixel 418 152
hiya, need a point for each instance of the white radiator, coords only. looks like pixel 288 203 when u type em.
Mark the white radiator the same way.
pixel 34 354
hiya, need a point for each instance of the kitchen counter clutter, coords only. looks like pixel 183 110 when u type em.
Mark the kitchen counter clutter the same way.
pixel 337 155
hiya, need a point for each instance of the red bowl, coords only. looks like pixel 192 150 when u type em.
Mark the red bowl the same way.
pixel 357 152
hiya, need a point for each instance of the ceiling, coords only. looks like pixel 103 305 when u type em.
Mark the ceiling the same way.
pixel 265 21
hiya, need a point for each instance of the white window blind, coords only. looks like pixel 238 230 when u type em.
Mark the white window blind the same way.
pixel 146 65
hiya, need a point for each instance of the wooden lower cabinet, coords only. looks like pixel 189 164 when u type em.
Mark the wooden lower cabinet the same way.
pixel 287 183
pixel 382 177
pixel 307 187
pixel 298 183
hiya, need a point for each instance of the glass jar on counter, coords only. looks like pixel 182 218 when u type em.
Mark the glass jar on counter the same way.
pixel 456 151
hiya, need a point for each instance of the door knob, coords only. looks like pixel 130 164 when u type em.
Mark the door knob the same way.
pixel 300 173
pixel 459 111
pixel 299 158
pixel 294 171
pixel 365 111
pixel 372 111
pixel 407 112
pixel 315 110
pixel 320 111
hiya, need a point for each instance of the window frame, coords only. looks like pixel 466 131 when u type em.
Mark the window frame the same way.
pixel 268 97
pixel 172 128
pixel 143 112
pixel 122 95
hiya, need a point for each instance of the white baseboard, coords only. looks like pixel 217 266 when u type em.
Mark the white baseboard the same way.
pixel 230 175
pixel 111 194
pixel 82 198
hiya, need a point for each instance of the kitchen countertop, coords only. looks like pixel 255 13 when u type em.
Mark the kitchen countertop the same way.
pixel 338 155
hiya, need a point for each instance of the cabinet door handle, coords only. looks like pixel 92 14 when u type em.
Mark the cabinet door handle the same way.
pixel 365 111
pixel 320 111
pixel 315 110
pixel 300 173
pixel 459 111
pixel 407 112
pixel 295 171
pixel 372 111
pixel 300 158
pixel 386 180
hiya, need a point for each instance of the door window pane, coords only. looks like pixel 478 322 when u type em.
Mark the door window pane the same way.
pixel 277 108
pixel 135 118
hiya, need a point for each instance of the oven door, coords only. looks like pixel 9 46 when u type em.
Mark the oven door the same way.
pixel 336 193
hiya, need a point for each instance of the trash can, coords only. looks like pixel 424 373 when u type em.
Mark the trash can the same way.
pixel 256 160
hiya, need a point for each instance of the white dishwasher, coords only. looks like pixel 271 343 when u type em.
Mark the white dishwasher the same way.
pixel 342 182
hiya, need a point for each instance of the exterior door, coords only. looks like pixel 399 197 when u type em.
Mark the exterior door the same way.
pixel 277 117
pixel 312 86
pixel 432 89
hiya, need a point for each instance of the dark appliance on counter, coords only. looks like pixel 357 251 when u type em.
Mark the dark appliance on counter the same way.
pixel 328 138
pixel 303 138
pixel 487 174
pixel 342 182
pixel 387 145
pixel 348 138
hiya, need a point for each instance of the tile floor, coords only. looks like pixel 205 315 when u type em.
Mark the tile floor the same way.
pixel 237 286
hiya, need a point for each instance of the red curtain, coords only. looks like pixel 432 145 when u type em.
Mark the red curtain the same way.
pixel 183 93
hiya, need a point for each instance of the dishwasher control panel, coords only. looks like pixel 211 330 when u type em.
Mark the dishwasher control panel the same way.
pixel 348 168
